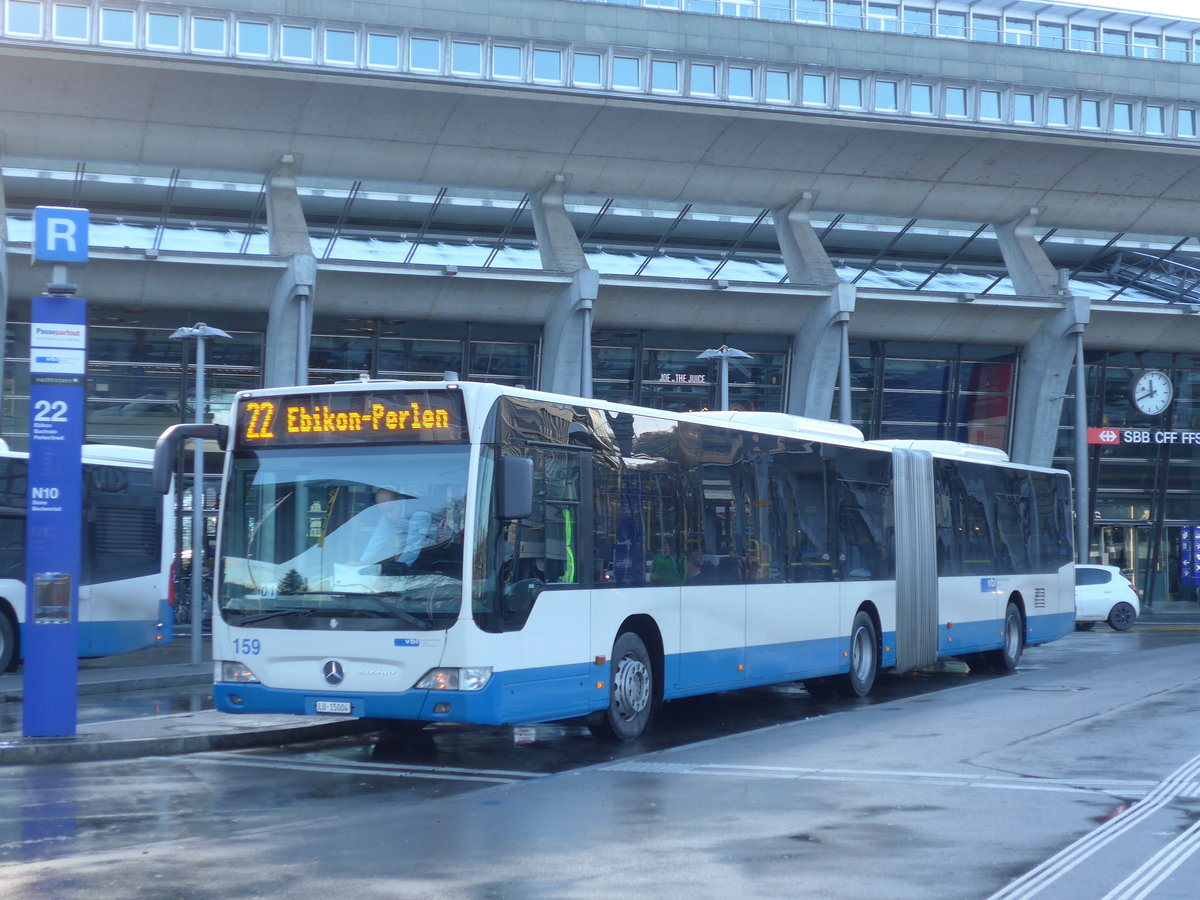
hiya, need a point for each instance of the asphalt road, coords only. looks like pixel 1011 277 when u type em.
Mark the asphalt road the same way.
pixel 1077 777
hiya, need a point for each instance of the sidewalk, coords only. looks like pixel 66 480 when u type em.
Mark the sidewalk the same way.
pixel 1169 612
pixel 151 668
pixel 190 732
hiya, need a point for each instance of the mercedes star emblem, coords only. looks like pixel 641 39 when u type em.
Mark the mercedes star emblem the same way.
pixel 333 672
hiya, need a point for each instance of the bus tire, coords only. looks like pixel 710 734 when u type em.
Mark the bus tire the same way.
pixel 864 658
pixel 8 642
pixel 1008 656
pixel 630 691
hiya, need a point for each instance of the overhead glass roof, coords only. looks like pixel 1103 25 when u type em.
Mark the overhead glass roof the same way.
pixel 418 224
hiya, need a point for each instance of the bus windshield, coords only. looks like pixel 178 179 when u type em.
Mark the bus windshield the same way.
pixel 355 538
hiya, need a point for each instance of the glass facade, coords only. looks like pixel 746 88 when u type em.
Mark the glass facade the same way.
pixel 950 392
pixel 345 349
pixel 139 381
pixel 1143 489
pixel 661 370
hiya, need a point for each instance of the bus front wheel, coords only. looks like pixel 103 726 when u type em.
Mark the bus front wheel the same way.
pixel 630 691
pixel 8 642
pixel 864 658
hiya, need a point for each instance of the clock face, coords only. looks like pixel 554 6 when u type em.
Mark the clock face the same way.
pixel 1152 392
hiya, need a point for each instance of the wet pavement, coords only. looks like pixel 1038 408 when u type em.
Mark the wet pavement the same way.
pixel 149 702
pixel 1064 780
pixel 155 702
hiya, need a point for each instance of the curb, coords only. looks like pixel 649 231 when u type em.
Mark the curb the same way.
pixel 40 751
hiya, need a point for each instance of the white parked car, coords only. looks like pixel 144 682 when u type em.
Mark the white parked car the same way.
pixel 1103 594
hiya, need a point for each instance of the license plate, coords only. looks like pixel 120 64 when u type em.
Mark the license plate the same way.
pixel 337 707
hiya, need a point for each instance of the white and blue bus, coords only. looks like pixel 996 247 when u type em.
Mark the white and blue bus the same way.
pixel 579 558
pixel 127 553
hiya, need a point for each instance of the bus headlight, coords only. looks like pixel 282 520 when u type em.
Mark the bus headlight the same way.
pixel 468 679
pixel 236 672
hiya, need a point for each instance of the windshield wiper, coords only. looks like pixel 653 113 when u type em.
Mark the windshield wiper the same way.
pixel 382 609
pixel 275 613
pixel 392 609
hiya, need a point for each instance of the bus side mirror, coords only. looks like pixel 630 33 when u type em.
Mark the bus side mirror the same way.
pixel 167 446
pixel 514 488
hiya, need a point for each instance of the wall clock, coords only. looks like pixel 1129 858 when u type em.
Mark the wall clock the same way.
pixel 1152 392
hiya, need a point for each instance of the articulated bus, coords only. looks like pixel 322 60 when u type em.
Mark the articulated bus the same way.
pixel 127 547
pixel 566 558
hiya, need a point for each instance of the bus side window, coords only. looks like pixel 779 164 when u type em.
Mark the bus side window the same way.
pixel 126 525
pixel 556 485
pixel 12 546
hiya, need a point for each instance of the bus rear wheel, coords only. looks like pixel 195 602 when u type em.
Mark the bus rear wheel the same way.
pixel 631 692
pixel 8 642
pixel 1006 658
pixel 864 658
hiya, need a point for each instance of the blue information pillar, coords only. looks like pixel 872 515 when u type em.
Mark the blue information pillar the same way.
pixel 53 530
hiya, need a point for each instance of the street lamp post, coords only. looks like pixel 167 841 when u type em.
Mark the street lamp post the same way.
pixel 724 353
pixel 198 333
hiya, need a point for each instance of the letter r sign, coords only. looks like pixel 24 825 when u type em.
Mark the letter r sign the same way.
pixel 60 235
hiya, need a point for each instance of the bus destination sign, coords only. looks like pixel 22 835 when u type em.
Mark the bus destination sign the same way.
pixel 352 417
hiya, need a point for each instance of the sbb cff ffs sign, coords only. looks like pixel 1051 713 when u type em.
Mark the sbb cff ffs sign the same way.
pixel 1143 436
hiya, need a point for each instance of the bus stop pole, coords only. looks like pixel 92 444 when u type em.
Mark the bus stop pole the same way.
pixel 199 332
pixel 1082 488
pixel 198 511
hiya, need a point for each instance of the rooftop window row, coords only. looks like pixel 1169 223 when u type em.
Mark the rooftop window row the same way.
pixel 269 40
pixel 1051 26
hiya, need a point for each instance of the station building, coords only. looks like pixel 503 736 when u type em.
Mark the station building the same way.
pixel 926 218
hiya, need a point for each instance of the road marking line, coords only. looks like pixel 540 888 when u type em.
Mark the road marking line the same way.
pixel 364 768
pixel 216 754
pixel 1125 788
pixel 1045 874
pixel 1158 868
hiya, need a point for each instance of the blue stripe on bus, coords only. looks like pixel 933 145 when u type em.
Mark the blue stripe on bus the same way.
pixel 1045 628
pixel 971 637
pixel 524 696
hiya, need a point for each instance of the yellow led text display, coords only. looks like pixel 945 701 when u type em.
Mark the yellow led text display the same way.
pixel 264 419
pixel 303 420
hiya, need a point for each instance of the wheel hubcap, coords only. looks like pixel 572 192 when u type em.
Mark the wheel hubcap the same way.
pixel 862 654
pixel 1012 637
pixel 631 687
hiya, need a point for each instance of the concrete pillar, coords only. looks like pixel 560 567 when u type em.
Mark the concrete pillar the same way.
pixel 567 338
pixel 1045 368
pixel 3 269
pixel 1046 359
pixel 817 345
pixel 817 350
pixel 1032 273
pixel 557 242
pixel 566 366
pixel 289 321
pixel 803 256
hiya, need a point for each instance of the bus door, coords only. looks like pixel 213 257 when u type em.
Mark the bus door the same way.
pixel 545 582
pixel 712 633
